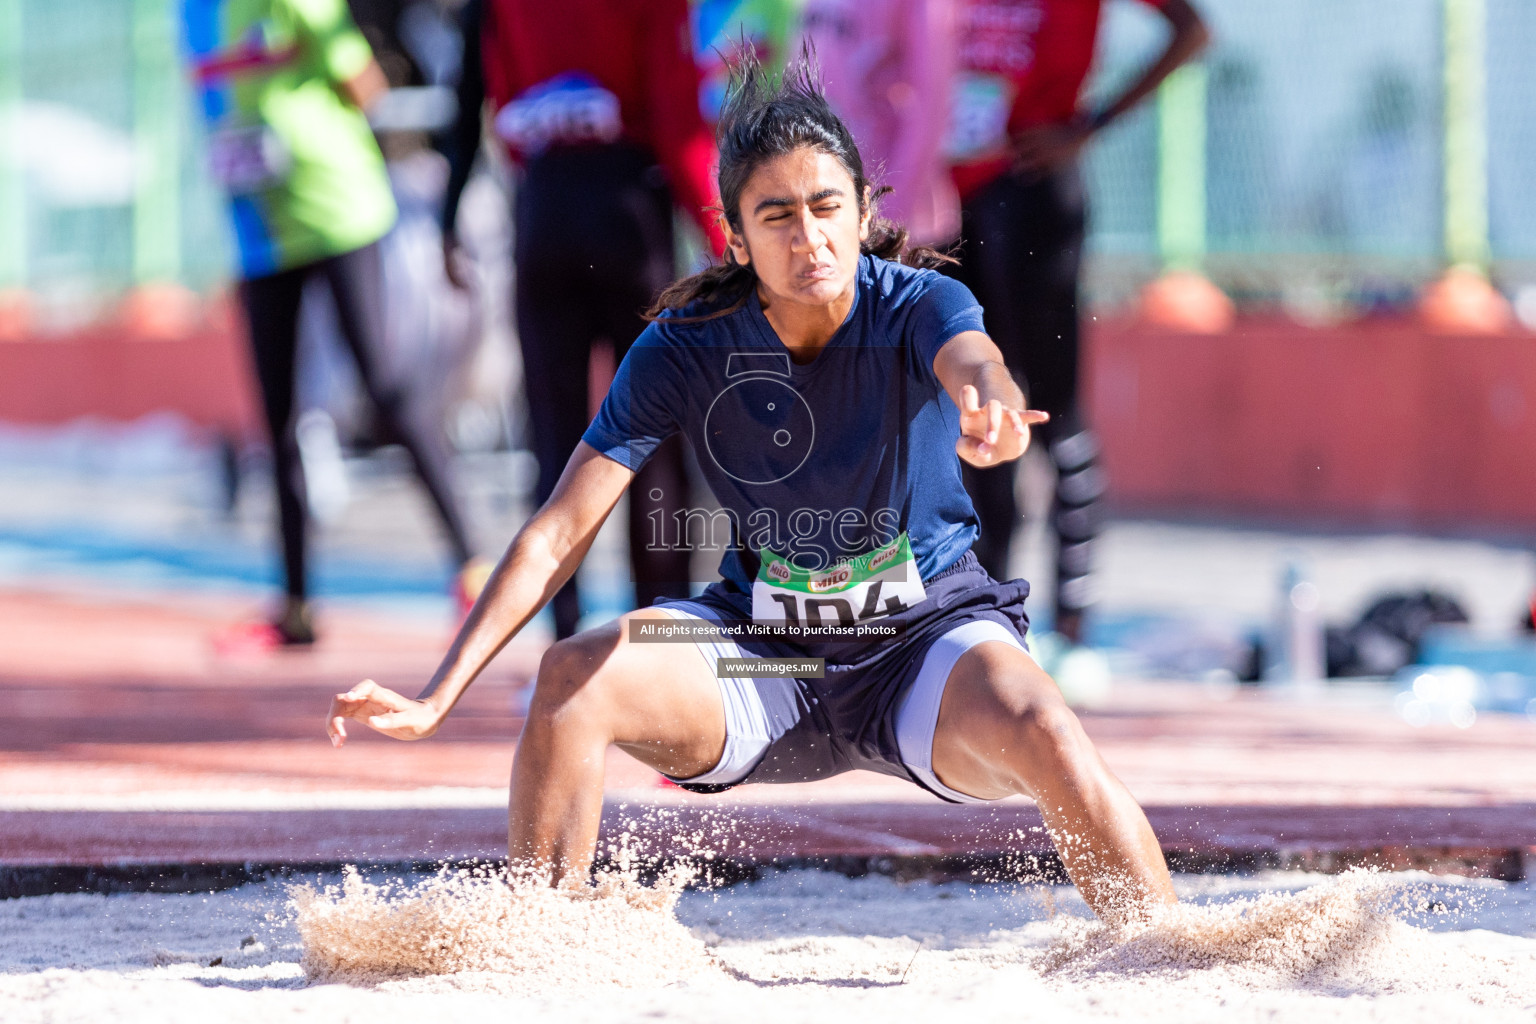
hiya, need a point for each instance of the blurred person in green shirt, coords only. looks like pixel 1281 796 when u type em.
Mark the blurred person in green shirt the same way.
pixel 283 87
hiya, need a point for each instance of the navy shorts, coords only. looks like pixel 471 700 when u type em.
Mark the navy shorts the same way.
pixel 877 705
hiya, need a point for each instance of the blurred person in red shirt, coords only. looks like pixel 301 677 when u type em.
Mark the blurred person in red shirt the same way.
pixel 887 67
pixel 596 103
pixel 1016 133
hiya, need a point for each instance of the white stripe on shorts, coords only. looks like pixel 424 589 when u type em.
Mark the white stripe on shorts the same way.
pixel 917 717
pixel 757 711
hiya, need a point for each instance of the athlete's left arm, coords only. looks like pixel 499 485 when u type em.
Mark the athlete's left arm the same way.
pixel 1188 35
pixel 994 423
pixel 1047 146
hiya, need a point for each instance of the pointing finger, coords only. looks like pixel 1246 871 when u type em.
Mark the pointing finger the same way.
pixel 994 420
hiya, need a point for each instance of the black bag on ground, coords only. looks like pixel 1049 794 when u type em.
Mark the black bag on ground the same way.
pixel 1388 635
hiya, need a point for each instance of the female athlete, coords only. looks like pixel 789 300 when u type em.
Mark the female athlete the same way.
pixel 830 393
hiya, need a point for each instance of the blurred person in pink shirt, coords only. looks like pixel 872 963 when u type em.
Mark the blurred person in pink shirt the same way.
pixel 887 66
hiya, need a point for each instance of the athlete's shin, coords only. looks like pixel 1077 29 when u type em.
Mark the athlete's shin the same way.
pixel 1101 834
pixel 557 774
pixel 1003 728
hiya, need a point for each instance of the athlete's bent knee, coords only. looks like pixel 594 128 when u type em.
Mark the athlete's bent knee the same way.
pixel 565 684
pixel 1049 737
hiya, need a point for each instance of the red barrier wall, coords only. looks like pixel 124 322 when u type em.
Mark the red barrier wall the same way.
pixel 1375 423
pixel 106 372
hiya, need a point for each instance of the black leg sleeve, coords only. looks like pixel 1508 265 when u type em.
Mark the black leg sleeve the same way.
pixel 1076 511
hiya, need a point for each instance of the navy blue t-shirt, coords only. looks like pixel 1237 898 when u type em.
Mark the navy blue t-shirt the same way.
pixel 818 461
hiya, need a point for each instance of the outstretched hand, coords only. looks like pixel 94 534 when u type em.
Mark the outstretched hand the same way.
pixel 993 433
pixel 382 710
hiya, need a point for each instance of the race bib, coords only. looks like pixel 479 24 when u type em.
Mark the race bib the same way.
pixel 873 585
pixel 566 110
pixel 248 158
pixel 978 122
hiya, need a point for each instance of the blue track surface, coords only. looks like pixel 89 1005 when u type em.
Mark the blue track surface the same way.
pixel 195 563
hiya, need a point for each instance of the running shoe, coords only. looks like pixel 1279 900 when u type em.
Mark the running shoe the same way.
pixel 293 629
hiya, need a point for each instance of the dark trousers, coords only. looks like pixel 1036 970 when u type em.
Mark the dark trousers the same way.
pixel 1021 250
pixel 593 250
pixel 272 312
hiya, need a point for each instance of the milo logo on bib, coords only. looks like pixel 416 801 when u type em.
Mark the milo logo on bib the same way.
pixel 869 586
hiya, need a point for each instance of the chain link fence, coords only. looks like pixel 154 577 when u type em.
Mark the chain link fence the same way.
pixel 1324 148
pixel 1322 125
pixel 101 156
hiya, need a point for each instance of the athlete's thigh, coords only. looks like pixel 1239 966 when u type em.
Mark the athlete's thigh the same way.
pixel 992 689
pixel 662 699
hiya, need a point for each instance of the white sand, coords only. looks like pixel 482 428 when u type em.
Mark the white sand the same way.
pixel 796 946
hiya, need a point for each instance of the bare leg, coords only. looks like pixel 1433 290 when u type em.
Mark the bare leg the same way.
pixel 1004 729
pixel 657 701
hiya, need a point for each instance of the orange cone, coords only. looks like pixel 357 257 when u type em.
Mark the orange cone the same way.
pixel 1184 300
pixel 1464 302
pixel 15 314
pixel 160 312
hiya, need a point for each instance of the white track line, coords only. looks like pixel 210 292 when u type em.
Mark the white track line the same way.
pixel 449 797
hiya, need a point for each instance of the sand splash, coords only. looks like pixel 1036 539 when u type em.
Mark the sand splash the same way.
pixel 1351 936
pixel 617 932
pixel 1347 935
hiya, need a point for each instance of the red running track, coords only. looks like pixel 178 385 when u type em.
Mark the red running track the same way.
pixel 136 755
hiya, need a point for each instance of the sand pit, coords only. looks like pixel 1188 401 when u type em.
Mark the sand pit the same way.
pixel 794 945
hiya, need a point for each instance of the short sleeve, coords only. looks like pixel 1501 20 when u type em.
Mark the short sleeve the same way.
pixel 340 47
pixel 946 308
pixel 639 411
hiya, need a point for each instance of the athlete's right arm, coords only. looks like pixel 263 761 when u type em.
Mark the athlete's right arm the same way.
pixel 543 555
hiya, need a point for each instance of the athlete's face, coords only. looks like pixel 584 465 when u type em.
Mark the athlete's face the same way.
pixel 801 228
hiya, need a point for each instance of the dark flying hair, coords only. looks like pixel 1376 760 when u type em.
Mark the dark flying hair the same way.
pixel 765 118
